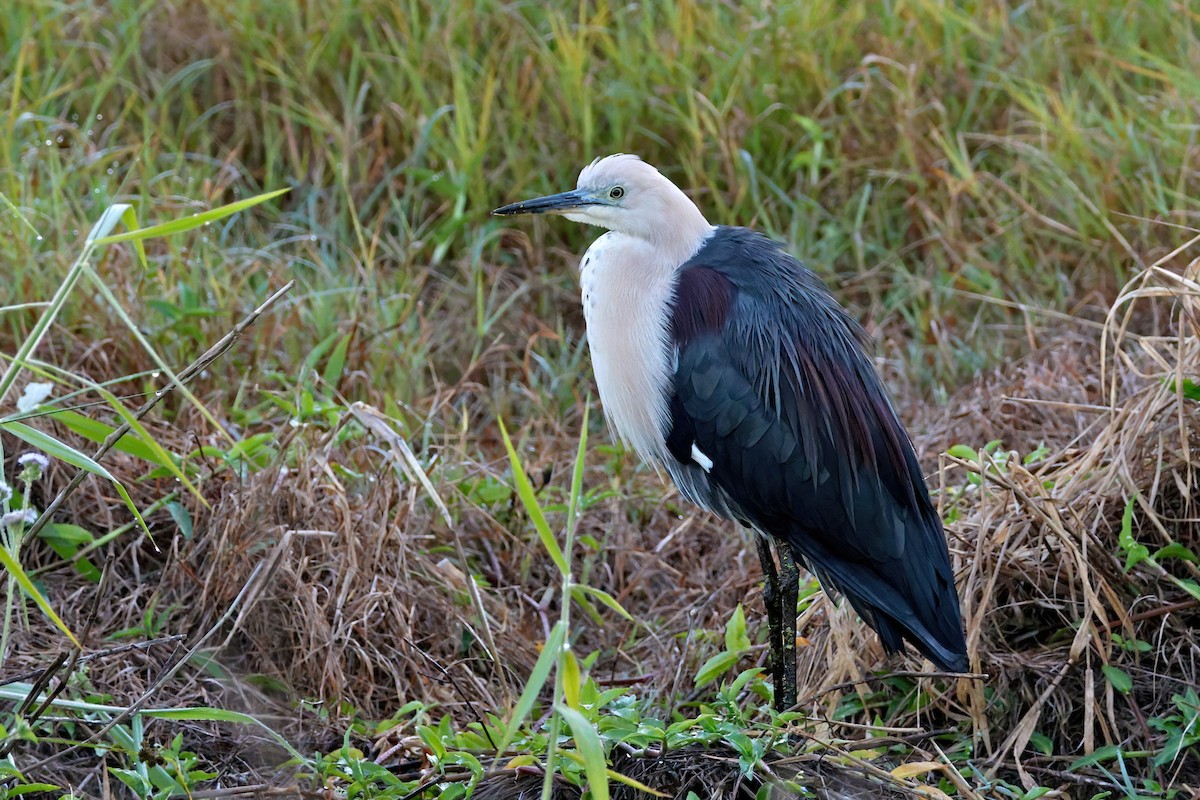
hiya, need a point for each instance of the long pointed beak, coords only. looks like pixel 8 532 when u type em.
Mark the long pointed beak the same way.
pixel 552 204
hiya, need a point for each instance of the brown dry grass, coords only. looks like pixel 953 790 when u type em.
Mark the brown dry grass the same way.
pixel 366 603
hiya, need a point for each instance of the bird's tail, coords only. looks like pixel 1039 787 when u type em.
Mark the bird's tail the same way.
pixel 912 599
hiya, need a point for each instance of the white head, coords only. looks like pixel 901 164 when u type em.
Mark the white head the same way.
pixel 625 194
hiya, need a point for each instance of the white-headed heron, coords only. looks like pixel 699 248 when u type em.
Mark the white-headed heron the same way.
pixel 722 358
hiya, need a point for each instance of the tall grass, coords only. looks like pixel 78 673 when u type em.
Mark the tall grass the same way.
pixel 920 155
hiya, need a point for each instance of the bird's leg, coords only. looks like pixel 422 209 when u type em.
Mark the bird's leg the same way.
pixel 789 591
pixel 771 598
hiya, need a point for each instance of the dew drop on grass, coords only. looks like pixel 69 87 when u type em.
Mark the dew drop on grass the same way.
pixel 312 238
pixel 59 140
pixel 89 133
pixel 39 238
pixel 99 116
pixel 110 171
pixel 48 143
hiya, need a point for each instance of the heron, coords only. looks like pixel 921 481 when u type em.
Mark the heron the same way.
pixel 720 357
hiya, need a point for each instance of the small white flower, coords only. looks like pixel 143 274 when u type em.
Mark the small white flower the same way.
pixel 32 465
pixel 36 458
pixel 27 516
pixel 5 492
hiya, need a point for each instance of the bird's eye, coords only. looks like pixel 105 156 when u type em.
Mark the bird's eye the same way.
pixel 616 193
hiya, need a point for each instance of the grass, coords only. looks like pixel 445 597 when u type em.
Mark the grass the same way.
pixel 977 182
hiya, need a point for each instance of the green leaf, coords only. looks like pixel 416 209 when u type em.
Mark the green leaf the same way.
pixel 533 687
pixel 587 742
pixel 337 362
pixel 736 639
pixel 1174 550
pixel 1188 585
pixel 715 667
pixel 1134 550
pixel 603 596
pixel 30 788
pixel 532 507
pixel 963 452
pixel 18 574
pixel 56 449
pixel 1042 743
pixel 1119 678
pixel 182 517
pixel 1106 753
pixel 570 678
pixel 66 540
pixel 96 431
pixel 188 223
pixel 1191 389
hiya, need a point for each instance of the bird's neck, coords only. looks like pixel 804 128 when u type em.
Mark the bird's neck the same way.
pixel 682 239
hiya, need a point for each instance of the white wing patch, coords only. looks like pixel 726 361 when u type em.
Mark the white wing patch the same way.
pixel 704 461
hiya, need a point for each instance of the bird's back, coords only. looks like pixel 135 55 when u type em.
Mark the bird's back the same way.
pixel 779 419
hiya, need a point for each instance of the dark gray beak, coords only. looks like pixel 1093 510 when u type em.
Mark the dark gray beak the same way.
pixel 552 204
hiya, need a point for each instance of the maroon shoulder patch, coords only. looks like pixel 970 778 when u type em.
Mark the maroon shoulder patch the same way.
pixel 703 298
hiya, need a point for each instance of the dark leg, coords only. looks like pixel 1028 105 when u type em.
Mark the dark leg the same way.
pixel 789 591
pixel 771 598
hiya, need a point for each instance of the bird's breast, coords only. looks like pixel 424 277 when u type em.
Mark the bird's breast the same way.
pixel 626 298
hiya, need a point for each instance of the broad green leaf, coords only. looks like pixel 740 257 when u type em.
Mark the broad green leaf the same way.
pixel 533 687
pixel 188 223
pixel 736 639
pixel 30 788
pixel 56 449
pixel 66 540
pixel 1042 743
pixel 532 507
pixel 587 742
pixel 1119 678
pixel 182 517
pixel 18 574
pixel 715 667
pixel 963 452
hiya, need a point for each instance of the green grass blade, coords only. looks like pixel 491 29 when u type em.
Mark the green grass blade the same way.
pixel 537 679
pixel 587 742
pixel 64 452
pixel 188 223
pixel 603 596
pixel 532 507
pixel 14 569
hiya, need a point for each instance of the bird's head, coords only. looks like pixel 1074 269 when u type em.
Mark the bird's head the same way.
pixel 624 194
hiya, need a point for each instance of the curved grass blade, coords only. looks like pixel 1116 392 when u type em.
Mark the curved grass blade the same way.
pixel 537 679
pixel 529 500
pixel 63 452
pixel 188 223
pixel 14 569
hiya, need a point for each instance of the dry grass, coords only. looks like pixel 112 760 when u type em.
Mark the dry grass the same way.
pixel 367 603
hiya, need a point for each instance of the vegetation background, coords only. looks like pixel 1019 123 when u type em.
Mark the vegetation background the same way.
pixel 346 586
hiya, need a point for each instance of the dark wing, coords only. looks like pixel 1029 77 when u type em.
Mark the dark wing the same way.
pixel 774 388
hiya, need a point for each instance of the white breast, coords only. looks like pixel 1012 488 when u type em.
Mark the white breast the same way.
pixel 626 295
